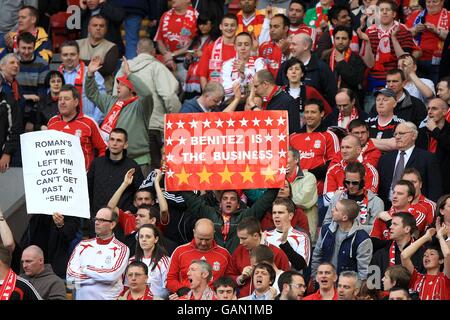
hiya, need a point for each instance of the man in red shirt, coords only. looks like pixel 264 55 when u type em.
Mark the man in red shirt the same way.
pixel 420 202
pixel 177 28
pixel 250 20
pixel 202 247
pixel 216 53
pixel 296 13
pixel 240 268
pixel 369 153
pixel 72 121
pixel 276 49
pixel 402 197
pixel 350 150
pixel 326 278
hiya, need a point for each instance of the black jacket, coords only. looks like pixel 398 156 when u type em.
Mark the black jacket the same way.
pixel 283 101
pixel 381 256
pixel 318 74
pixel 442 150
pixel 444 68
pixel 424 161
pixel 55 242
pixel 332 119
pixel 411 109
pixel 47 108
pixel 105 177
pixel 351 72
pixel 10 125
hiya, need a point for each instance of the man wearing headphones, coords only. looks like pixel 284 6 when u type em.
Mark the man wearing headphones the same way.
pixel 369 203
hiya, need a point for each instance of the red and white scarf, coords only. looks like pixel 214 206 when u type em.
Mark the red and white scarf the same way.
pixel 112 117
pixel 189 20
pixel 435 282
pixel 79 80
pixel 9 284
pixel 347 55
pixel 216 61
pixel 384 53
pixel 353 115
pixel 392 254
pixel 249 66
pixel 320 16
pixel 363 209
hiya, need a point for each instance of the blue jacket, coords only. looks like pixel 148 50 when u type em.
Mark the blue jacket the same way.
pixel 190 106
pixel 355 251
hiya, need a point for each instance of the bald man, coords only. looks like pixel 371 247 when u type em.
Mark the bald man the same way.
pixel 41 276
pixel 335 179
pixel 201 247
pixel 435 137
pixel 318 74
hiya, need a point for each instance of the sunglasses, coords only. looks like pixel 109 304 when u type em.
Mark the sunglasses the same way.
pixel 353 183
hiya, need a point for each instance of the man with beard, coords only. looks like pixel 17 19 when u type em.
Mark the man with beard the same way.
pixel 291 285
pixel 296 13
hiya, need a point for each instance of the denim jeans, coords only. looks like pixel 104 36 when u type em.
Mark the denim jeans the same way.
pixel 132 25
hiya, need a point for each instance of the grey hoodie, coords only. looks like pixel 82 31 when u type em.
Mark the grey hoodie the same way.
pixel 48 284
pixel 161 82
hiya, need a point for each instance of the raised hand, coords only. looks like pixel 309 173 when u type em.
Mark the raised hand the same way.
pixel 125 66
pixel 94 65
pixel 128 179
pixel 158 177
pixel 58 219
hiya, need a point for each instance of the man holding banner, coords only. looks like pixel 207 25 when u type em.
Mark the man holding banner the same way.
pixel 71 120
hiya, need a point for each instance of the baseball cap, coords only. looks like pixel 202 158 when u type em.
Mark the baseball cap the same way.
pixel 385 92
pixel 126 82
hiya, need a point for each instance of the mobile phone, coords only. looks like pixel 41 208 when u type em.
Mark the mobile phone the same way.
pixel 190 51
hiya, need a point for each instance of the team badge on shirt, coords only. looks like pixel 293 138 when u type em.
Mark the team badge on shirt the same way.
pixel 216 266
pixel 108 260
pixel 78 133
pixel 317 144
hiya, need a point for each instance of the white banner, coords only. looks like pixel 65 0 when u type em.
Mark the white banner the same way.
pixel 54 174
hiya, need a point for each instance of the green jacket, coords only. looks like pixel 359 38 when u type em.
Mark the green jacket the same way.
pixel 133 118
pixel 196 206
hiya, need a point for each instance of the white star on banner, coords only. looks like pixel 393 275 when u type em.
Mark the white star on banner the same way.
pixel 169 125
pixel 282 170
pixel 282 137
pixel 268 138
pixel 282 153
pixel 230 123
pixel 193 123
pixel 281 121
pixel 169 157
pixel 243 122
pixel 207 123
pixel 169 141
pixel 170 173
pixel 268 121
pixel 182 140
pixel 219 123
pixel 180 124
pixel 256 122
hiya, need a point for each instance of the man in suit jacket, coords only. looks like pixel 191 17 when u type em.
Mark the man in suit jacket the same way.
pixel 413 157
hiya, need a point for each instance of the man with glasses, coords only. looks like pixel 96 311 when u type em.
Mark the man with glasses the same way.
pixel 291 285
pixel 393 163
pixel 137 276
pixel 273 98
pixel 346 111
pixel 96 265
pixel 370 205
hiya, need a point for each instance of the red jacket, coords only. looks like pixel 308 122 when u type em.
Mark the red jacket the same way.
pixel 87 130
pixel 369 154
pixel 318 296
pixel 218 257
pixel 241 258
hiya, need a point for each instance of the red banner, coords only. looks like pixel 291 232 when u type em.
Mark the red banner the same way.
pixel 223 150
